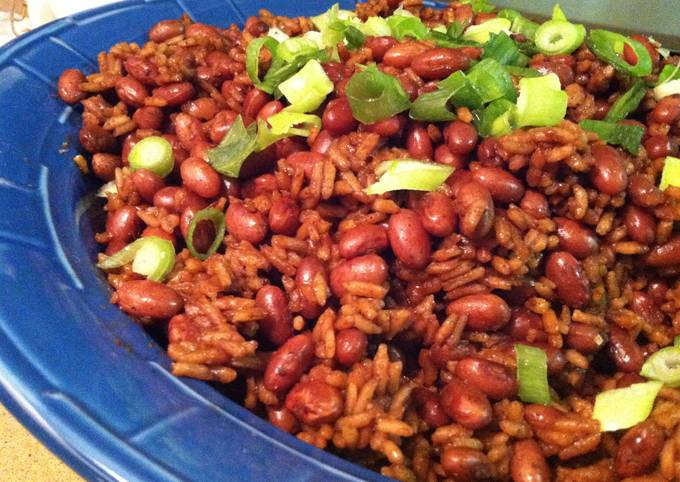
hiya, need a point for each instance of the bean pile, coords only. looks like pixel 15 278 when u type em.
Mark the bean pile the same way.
pixel 384 327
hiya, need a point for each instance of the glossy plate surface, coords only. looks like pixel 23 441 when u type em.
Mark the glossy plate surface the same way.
pixel 75 370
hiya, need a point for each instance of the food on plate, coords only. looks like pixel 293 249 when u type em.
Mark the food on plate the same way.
pixel 437 242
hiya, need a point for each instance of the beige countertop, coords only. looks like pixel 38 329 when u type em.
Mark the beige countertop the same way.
pixel 24 458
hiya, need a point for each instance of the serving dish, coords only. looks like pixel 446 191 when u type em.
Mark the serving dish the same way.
pixel 83 377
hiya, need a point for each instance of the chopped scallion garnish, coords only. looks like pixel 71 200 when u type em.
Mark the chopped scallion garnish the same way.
pixel 239 143
pixel 556 37
pixel 403 26
pixel 608 46
pixel 216 217
pixel 409 174
pixel 663 366
pixel 151 256
pixel 541 101
pixel 153 153
pixel 374 95
pixel 670 176
pixel 624 135
pixel 532 374
pixel 627 103
pixel 624 407
pixel 293 123
pixel 520 24
pixel 504 50
pixel 308 88
pixel 492 81
pixel 482 32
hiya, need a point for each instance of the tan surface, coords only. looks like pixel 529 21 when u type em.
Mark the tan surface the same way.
pixel 24 458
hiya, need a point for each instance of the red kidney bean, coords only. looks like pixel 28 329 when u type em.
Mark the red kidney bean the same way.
pixel 575 238
pixel 437 214
pixel 572 286
pixel 200 177
pixel 496 381
pixel 369 268
pixel 159 233
pixel 201 30
pixel 418 143
pixel 379 46
pixel 643 192
pixel 254 100
pixel 284 216
pixel 403 54
pixel 149 299
pixel 104 165
pixel 220 125
pixel 503 186
pixel 287 146
pixel 475 209
pixel 277 325
pixel 209 75
pixel 203 108
pixel 556 359
pixel 322 142
pixel 608 174
pixel 95 139
pixel 460 137
pixel 640 225
pixel 628 379
pixel 639 449
pixel 283 418
pixel 362 239
pixel 175 94
pixel 437 63
pixel 189 130
pixel 308 269
pixel 269 109
pixel 624 351
pixel 255 26
pixel 528 463
pixel 165 30
pixel 541 417
pixel 487 153
pixel 220 62
pixel 338 118
pixel 200 150
pixel 315 402
pixel 131 91
pixel 165 198
pixel 245 225
pixel 387 127
pixel 144 70
pixel 123 223
pixel 430 408
pixel 350 346
pixel 148 117
pixel 466 404
pixel 522 322
pixel 485 312
pixel 645 305
pixel 466 465
pixel 657 289
pixel 658 146
pixel 666 111
pixel 665 255
pixel 535 204
pixel 185 218
pixel 306 160
pixel 443 155
pixel 147 184
pixel 115 245
pixel 177 150
pixel 68 86
pixel 586 339
pixel 261 185
pixel 409 240
pixel 289 363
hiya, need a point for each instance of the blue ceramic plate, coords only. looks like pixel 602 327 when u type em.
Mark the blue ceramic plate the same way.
pixel 82 376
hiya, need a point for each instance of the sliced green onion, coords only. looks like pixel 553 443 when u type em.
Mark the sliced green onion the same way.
pixel 464 93
pixel 676 341
pixel 331 24
pixel 558 13
pixel 480 6
pixel 374 95
pixel 403 26
pixel 409 174
pixel 293 123
pixel 624 407
pixel 541 101
pixel 265 137
pixel 433 106
pixel 556 37
pixel 307 89
pixel 294 47
pixel 492 81
pixel 253 60
pixel 663 366
pixel 504 50
pixel 455 30
pixel 277 34
pixel 375 27
pixel 671 87
pixel 532 374
pixel 496 119
pixel 627 103
pixel 151 256
pixel 670 176
pixel 520 24
pixel 668 73
pixel 216 217
pixel 482 32
pixel 354 38
pixel 608 46
pixel 522 71
pixel 239 143
pixel 153 153
pixel 443 40
pixel 624 135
